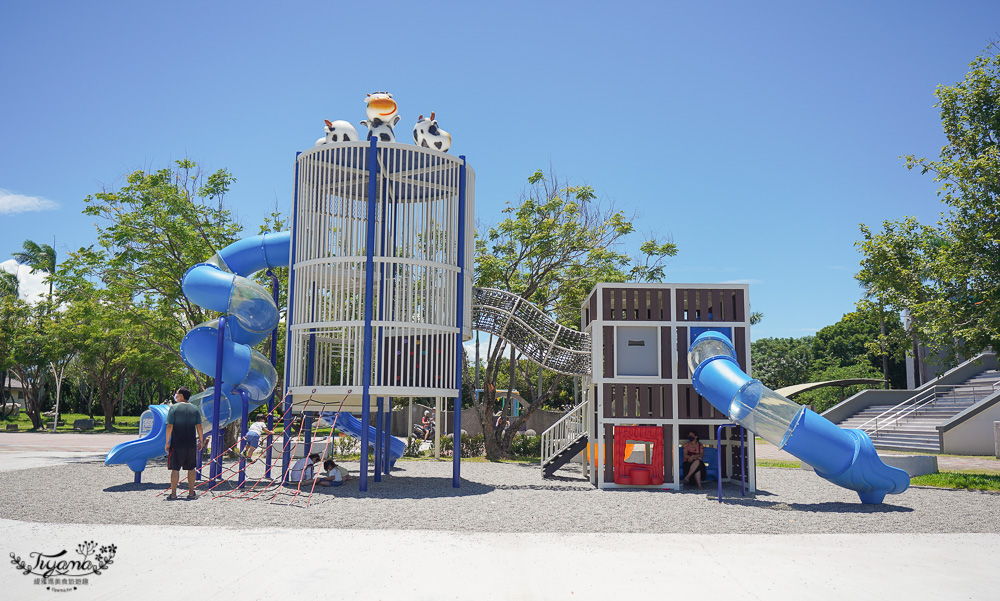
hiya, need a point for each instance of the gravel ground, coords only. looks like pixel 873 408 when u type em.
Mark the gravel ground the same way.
pixel 493 497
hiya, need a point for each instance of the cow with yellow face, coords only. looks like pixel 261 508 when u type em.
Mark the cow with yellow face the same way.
pixel 382 116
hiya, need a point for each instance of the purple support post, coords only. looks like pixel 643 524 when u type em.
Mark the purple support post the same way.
pixel 460 311
pixel 215 472
pixel 378 439
pixel 245 418
pixel 369 309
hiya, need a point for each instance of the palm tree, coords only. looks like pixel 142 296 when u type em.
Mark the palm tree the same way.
pixel 39 257
pixel 9 284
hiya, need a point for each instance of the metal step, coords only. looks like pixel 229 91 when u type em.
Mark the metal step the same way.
pixel 564 456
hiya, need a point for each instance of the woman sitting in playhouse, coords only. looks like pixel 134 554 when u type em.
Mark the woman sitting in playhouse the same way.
pixel 694 459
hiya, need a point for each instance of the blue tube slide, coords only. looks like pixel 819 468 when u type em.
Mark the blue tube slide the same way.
pixel 352 426
pixel 845 457
pixel 222 284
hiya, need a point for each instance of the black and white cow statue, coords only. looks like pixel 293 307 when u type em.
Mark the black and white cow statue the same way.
pixel 427 134
pixel 338 131
pixel 382 116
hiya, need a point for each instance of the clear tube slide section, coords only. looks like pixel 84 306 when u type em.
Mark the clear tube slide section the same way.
pixel 844 457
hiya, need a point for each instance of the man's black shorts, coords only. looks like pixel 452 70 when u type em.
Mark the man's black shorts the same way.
pixel 182 458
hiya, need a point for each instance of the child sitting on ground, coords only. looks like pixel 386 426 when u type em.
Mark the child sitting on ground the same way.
pixel 335 474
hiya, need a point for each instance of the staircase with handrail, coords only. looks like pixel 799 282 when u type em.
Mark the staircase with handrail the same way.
pixel 565 439
pixel 912 424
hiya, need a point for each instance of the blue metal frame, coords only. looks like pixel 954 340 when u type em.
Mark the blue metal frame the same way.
pixel 379 423
pixel 286 409
pixel 243 436
pixel 460 319
pixel 215 472
pixel 369 292
pixel 743 461
pixel 274 359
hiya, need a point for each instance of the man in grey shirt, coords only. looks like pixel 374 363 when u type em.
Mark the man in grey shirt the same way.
pixel 184 437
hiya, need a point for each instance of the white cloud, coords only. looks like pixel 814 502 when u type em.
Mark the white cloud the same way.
pixel 11 203
pixel 31 285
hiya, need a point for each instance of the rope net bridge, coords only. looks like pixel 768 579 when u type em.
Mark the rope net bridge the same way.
pixel 537 336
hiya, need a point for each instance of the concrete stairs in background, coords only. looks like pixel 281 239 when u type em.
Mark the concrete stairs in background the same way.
pixel 918 430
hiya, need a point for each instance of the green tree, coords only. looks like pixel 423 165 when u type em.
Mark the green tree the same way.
pixel 38 257
pixel 948 274
pixel 114 348
pixel 858 339
pixel 551 247
pixel 30 358
pixel 150 232
pixel 780 362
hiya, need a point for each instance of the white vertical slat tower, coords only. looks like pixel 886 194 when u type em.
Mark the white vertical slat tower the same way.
pixel 414 261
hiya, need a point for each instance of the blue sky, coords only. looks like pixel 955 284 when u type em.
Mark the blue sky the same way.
pixel 759 135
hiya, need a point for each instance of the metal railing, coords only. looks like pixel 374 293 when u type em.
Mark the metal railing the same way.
pixel 932 395
pixel 566 431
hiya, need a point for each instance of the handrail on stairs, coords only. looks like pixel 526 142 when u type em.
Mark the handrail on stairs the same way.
pixel 893 415
pixel 566 431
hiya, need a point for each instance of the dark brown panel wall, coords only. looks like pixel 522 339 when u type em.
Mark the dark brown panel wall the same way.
pixel 637 401
pixel 636 304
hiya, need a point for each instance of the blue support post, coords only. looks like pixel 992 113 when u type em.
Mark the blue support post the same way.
pixel 387 457
pixel 274 359
pixel 138 478
pixel 243 437
pixel 215 471
pixel 378 439
pixel 307 428
pixel 369 310
pixel 460 318
pixel 286 409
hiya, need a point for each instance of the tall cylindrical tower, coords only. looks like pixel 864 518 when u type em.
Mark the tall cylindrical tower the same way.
pixel 378 230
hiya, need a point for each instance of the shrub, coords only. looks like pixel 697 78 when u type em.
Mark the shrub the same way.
pixel 526 446
pixel 348 445
pixel 474 446
pixel 412 447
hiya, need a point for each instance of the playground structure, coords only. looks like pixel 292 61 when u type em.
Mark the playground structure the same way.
pixel 380 300
pixel 639 400
pixel 376 302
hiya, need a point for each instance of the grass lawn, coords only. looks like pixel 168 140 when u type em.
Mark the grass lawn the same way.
pixel 778 463
pixel 128 424
pixel 966 480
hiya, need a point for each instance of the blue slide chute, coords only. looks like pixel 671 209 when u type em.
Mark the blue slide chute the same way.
pixel 845 457
pixel 222 284
pixel 353 426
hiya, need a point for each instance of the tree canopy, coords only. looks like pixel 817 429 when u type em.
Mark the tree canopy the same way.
pixel 948 274
pixel 553 244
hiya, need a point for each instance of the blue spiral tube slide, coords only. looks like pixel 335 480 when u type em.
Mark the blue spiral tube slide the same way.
pixel 353 426
pixel 845 457
pixel 222 284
